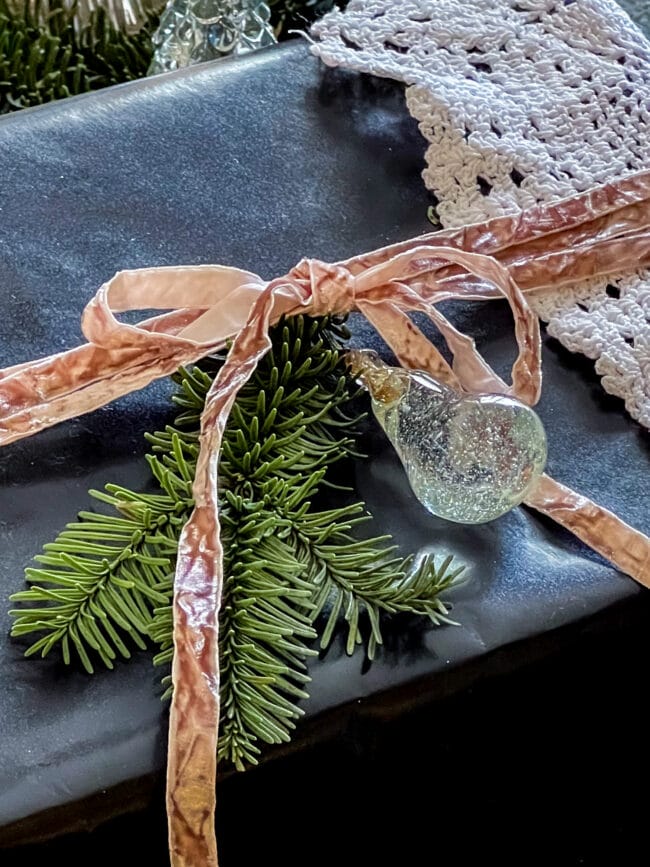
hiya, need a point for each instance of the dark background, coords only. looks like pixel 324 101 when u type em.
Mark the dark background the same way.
pixel 542 766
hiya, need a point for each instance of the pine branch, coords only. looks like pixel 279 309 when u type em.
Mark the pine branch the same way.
pixel 353 577
pixel 107 581
pixel 100 581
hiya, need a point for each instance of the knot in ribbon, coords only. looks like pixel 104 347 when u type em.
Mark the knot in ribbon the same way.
pixel 331 288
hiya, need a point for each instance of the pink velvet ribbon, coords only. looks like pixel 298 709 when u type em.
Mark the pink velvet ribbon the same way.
pixel 602 231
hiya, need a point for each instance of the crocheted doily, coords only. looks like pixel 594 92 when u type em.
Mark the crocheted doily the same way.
pixel 523 101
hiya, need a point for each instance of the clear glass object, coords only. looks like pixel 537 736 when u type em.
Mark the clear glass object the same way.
pixel 192 31
pixel 469 458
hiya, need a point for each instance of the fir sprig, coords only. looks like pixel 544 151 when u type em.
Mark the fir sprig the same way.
pixel 292 569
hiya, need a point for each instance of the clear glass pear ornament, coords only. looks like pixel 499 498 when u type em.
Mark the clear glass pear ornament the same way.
pixel 468 457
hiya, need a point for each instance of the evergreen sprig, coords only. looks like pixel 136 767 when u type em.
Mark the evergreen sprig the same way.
pixel 292 568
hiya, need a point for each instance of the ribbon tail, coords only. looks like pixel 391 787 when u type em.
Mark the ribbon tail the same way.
pixel 38 395
pixel 554 268
pixel 627 548
pixel 598 214
pixel 194 719
pixel 594 259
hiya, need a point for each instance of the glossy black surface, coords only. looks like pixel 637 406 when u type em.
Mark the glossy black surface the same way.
pixel 200 166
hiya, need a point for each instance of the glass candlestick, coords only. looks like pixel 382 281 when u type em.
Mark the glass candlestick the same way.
pixel 192 31
pixel 468 457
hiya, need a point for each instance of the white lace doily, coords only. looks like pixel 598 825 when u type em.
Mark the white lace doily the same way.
pixel 523 101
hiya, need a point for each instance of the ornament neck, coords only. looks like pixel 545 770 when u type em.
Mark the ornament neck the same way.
pixel 385 384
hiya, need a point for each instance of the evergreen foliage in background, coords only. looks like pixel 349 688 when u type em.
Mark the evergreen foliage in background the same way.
pixel 287 15
pixel 295 568
pixel 43 56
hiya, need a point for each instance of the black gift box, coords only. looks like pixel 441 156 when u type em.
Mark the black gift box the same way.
pixel 257 163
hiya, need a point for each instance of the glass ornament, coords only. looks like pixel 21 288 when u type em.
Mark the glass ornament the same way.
pixel 468 457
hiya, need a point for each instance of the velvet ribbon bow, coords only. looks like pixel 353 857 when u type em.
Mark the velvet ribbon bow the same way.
pixel 603 231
